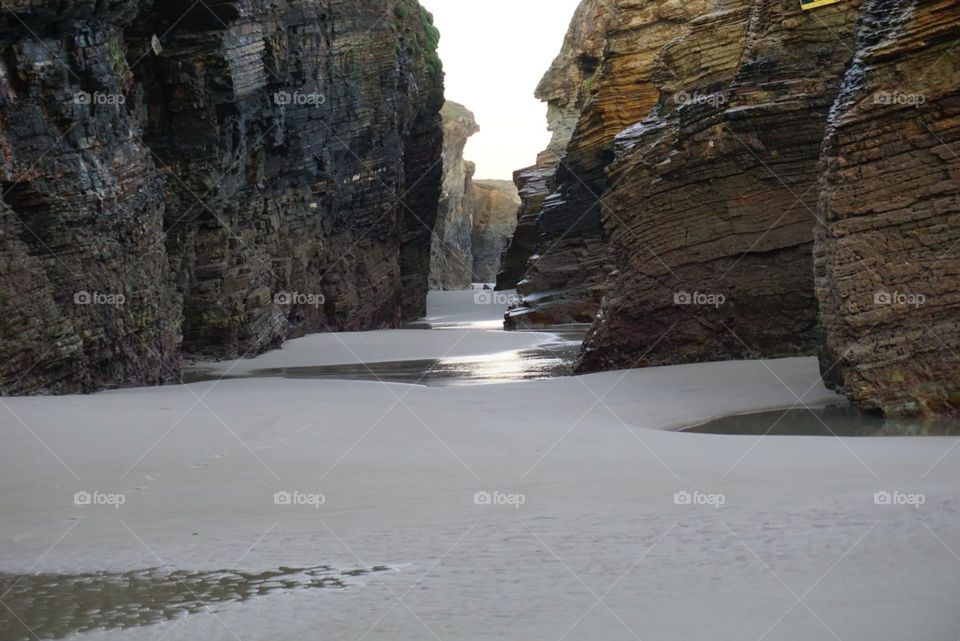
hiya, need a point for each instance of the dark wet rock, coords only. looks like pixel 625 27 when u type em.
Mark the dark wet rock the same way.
pixel 209 180
pixel 86 296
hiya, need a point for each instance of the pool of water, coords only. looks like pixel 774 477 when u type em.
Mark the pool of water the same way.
pixel 549 360
pixel 521 365
pixel 827 421
pixel 57 605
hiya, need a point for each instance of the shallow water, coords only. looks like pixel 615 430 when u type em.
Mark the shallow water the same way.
pixel 545 361
pixel 55 606
pixel 521 365
pixel 828 421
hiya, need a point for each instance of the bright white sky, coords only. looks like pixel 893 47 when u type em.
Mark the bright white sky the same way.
pixel 494 53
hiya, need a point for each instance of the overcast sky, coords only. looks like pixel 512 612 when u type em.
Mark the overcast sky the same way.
pixel 494 53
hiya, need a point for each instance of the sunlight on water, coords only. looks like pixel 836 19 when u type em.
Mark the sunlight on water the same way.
pixel 549 360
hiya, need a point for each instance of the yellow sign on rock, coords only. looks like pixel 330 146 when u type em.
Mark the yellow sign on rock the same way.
pixel 813 4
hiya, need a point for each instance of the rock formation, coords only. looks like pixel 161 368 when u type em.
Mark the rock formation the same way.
pixel 476 216
pixel 451 257
pixel 493 206
pixel 888 241
pixel 209 180
pixel 712 203
pixel 786 144
pixel 547 224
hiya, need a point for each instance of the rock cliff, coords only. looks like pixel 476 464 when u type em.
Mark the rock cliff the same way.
pixel 177 177
pixel 888 240
pixel 451 258
pixel 493 205
pixel 712 198
pixel 791 158
pixel 548 226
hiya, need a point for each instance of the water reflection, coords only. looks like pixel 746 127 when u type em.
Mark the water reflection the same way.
pixel 828 421
pixel 545 361
pixel 520 365
pixel 53 606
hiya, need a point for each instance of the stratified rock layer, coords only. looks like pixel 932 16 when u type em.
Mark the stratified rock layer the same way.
pixel 493 206
pixel 301 145
pixel 566 87
pixel 567 276
pixel 238 173
pixel 888 246
pixel 713 198
pixel 86 296
pixel 451 258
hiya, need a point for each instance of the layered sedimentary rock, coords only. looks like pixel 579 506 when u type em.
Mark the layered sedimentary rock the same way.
pixel 567 276
pixel 301 148
pixel 716 198
pixel 493 207
pixel 451 258
pixel 234 175
pixel 85 292
pixel 566 88
pixel 713 198
pixel 888 242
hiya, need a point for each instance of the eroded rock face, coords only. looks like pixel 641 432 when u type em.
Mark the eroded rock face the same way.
pixel 773 154
pixel 493 205
pixel 713 196
pixel 85 292
pixel 888 244
pixel 567 277
pixel 235 175
pixel 566 88
pixel 301 149
pixel 451 258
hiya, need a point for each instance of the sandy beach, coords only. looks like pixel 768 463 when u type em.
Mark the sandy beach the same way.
pixel 551 509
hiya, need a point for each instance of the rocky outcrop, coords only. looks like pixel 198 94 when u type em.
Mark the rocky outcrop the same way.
pixel 86 295
pixel 567 277
pixel 232 175
pixel 794 157
pixel 451 258
pixel 493 206
pixel 713 196
pixel 533 186
pixel 545 223
pixel 475 217
pixel 887 261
